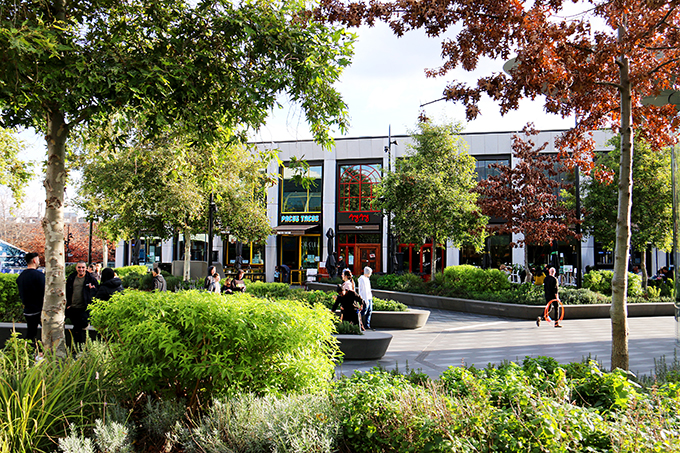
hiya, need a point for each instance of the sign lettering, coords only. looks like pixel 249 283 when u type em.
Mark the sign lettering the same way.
pixel 356 218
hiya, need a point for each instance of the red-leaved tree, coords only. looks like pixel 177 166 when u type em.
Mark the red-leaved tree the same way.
pixel 594 60
pixel 526 197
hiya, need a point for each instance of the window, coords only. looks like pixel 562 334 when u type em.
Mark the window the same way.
pixel 356 187
pixel 297 198
pixel 484 169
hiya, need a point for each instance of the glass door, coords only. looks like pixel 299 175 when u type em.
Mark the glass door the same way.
pixel 369 255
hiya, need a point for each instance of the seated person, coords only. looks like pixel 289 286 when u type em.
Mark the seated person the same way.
pixel 237 284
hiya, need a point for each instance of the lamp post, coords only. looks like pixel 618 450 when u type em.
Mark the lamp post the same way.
pixel 390 240
pixel 211 210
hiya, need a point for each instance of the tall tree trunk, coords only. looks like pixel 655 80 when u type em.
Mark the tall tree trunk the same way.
pixel 136 248
pixel 645 276
pixel 53 225
pixel 187 254
pixel 433 264
pixel 105 253
pixel 619 358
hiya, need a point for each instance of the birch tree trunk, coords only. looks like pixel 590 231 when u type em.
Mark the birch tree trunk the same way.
pixel 619 317
pixel 187 254
pixel 52 317
pixel 105 253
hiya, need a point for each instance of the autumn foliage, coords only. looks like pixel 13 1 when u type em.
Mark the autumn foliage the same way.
pixel 31 238
pixel 527 196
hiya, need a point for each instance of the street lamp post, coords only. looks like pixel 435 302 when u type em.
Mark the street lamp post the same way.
pixel 390 239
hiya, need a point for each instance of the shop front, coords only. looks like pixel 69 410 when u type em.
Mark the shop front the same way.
pixel 358 222
pixel 298 234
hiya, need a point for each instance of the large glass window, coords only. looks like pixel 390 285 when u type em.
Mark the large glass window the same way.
pixel 310 247
pixel 484 168
pixel 297 197
pixel 356 187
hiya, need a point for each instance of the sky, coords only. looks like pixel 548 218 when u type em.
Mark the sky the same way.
pixel 384 88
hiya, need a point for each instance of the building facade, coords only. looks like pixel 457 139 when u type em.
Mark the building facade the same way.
pixel 334 211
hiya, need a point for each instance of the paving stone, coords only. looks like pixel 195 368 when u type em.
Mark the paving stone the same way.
pixel 451 339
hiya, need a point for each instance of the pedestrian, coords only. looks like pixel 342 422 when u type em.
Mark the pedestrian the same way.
pixel 212 281
pixel 341 265
pixel 348 300
pixel 31 286
pixel 551 289
pixel 284 270
pixel 109 285
pixel 81 286
pixel 366 296
pixel 92 269
pixel 159 283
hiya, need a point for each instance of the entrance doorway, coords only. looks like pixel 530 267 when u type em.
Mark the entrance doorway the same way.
pixel 369 255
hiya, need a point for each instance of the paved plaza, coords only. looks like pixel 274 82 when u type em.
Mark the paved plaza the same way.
pixel 451 338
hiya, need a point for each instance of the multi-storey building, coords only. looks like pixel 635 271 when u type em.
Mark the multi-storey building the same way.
pixel 336 211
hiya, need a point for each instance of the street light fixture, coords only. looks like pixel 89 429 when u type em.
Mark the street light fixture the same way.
pixel 391 249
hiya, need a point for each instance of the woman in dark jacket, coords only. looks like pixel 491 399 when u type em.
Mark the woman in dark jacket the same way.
pixel 109 285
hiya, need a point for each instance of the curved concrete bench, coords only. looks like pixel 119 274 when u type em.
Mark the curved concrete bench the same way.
pixel 412 319
pixel 369 346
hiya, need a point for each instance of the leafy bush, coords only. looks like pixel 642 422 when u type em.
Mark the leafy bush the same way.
pixel 601 282
pixel 295 423
pixel 466 279
pixel 11 308
pixel 347 328
pixel 197 345
pixel 40 400
pixel 582 296
pixel 404 282
pixel 388 305
pixel 124 271
pixel 69 269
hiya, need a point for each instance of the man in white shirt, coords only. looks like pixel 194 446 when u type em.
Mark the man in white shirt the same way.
pixel 367 296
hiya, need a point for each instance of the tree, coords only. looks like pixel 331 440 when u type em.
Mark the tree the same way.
pixel 14 173
pixel 196 64
pixel 596 65
pixel 651 209
pixel 527 198
pixel 429 195
pixel 161 186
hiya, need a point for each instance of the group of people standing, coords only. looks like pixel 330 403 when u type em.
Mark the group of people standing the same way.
pixel 356 305
pixel 82 286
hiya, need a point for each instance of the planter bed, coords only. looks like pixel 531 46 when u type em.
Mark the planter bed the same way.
pixel 510 310
pixel 369 346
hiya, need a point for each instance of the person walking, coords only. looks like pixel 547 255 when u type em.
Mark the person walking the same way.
pixel 366 296
pixel 347 300
pixel 31 286
pixel 551 289
pixel 81 286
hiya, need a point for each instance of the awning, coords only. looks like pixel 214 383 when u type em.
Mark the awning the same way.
pixel 293 230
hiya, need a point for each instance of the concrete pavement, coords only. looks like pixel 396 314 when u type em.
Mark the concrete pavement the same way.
pixel 452 338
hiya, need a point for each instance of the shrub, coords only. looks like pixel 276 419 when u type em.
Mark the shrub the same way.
pixel 405 282
pixel 295 423
pixel 347 328
pixel 40 401
pixel 11 308
pixel 69 269
pixel 466 279
pixel 124 271
pixel 388 305
pixel 601 282
pixel 198 345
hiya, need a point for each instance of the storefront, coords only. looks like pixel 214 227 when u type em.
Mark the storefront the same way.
pixel 417 259
pixel 298 241
pixel 358 222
